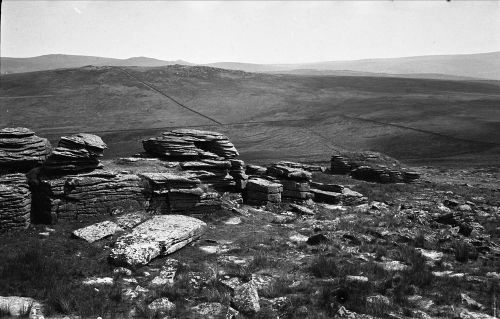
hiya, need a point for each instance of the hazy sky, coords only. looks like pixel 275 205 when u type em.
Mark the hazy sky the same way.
pixel 249 31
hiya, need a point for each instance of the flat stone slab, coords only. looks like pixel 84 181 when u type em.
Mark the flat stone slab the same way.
pixel 161 235
pixel 97 231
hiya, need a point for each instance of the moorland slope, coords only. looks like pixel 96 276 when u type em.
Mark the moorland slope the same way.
pixel 267 116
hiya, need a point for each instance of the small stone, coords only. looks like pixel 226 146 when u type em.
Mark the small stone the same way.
pixel 378 300
pixel 161 306
pixel 317 239
pixel 298 238
pixel 233 221
pixel 357 278
pixel 471 303
pixel 97 231
pixel 246 298
pixel 95 281
pixel 213 310
pixel 122 271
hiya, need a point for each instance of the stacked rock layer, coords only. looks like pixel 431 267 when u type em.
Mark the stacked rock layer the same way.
pixel 15 202
pixel 260 191
pixel 86 195
pixel 176 191
pixel 75 154
pixel 371 172
pixel 295 181
pixel 21 150
pixel 207 154
pixel 186 144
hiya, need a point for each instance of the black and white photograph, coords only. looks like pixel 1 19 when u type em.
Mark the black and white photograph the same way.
pixel 251 159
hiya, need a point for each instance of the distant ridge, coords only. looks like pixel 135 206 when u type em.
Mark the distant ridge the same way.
pixel 451 67
pixel 59 61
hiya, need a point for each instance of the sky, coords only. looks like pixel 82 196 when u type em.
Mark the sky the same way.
pixel 249 31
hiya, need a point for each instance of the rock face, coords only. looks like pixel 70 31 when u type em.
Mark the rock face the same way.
pixel 161 235
pixel 97 231
pixel 21 150
pixel 295 181
pixel 86 195
pixel 15 202
pixel 75 154
pixel 305 167
pixel 213 310
pixel 261 191
pixel 187 144
pixel 369 171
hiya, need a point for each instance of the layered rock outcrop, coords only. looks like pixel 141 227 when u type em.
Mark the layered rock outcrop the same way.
pixel 260 191
pixel 15 202
pixel 173 191
pixel 207 154
pixel 371 171
pixel 188 144
pixel 86 195
pixel 295 181
pixel 75 154
pixel 21 150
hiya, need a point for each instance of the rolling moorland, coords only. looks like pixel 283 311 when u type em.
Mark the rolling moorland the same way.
pixel 267 116
pixel 352 248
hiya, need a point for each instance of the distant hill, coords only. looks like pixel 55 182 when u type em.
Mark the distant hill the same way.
pixel 60 61
pixel 481 65
pixel 445 67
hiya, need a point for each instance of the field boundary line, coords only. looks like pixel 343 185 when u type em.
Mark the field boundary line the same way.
pixel 150 86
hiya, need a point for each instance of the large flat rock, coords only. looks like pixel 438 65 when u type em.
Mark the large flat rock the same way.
pixel 97 231
pixel 161 235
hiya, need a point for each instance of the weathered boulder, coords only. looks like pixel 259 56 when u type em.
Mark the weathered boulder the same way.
pixel 75 154
pixel 161 307
pixel 336 194
pixel 87 195
pixel 261 191
pixel 97 231
pixel 246 298
pixel 161 235
pixel 15 202
pixel 186 144
pixel 21 150
pixel 213 310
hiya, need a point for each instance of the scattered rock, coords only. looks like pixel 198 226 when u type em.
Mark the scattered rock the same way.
pixel 213 310
pixel 97 281
pixel 97 231
pixel 471 303
pixel 122 271
pixel 378 300
pixel 246 298
pixel 302 210
pixel 161 307
pixel 317 239
pixel 161 235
